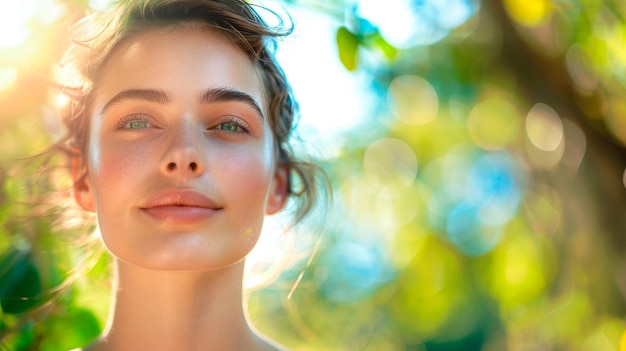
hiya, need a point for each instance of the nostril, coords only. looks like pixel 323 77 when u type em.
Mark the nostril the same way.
pixel 173 167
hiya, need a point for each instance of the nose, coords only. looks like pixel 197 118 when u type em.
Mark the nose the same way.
pixel 183 157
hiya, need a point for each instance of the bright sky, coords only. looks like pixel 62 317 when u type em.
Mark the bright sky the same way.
pixel 332 100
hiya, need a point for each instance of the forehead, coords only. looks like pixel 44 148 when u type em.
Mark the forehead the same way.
pixel 181 60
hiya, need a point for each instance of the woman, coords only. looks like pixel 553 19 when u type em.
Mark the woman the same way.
pixel 179 137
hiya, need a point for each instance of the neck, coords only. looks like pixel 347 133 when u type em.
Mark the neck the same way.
pixel 162 310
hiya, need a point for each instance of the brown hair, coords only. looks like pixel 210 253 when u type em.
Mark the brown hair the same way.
pixel 101 33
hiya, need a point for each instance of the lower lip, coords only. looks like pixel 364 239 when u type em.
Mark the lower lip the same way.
pixel 180 214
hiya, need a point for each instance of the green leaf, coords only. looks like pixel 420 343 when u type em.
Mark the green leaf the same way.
pixel 385 47
pixel 20 284
pixel 76 328
pixel 20 340
pixel 348 46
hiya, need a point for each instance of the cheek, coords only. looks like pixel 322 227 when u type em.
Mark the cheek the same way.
pixel 107 156
pixel 248 174
pixel 113 167
pixel 117 168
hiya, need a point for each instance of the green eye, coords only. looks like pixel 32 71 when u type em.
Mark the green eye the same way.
pixel 138 124
pixel 229 127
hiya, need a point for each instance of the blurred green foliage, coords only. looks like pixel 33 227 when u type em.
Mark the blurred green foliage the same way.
pixel 480 207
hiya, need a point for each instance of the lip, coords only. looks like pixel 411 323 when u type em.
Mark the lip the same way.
pixel 180 206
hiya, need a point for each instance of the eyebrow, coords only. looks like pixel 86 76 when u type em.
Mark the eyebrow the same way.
pixel 151 95
pixel 208 96
pixel 227 94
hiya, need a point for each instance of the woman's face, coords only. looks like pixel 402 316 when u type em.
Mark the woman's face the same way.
pixel 180 165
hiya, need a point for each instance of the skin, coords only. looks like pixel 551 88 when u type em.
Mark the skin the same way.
pixel 154 145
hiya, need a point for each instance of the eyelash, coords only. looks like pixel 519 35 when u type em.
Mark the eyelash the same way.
pixel 236 121
pixel 123 123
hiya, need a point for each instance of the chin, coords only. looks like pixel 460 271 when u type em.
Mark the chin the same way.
pixel 181 261
pixel 205 249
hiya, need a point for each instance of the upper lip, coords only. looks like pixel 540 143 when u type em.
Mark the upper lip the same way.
pixel 181 197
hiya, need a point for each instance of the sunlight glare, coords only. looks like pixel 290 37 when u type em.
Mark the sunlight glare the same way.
pixel 17 17
pixel 14 19
pixel 8 76
pixel 62 100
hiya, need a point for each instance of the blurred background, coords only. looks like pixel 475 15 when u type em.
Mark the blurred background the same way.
pixel 477 155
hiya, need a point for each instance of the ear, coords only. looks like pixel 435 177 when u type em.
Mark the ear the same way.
pixel 279 190
pixel 83 191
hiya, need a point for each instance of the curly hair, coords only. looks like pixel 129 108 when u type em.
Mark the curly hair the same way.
pixel 99 35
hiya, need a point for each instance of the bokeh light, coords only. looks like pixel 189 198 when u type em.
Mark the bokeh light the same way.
pixel 494 124
pixel 575 145
pixel 495 184
pixel 529 12
pixel 544 209
pixel 544 127
pixel 471 206
pixel 353 269
pixel 413 100
pixel 518 274
pixel 430 290
pixel 580 69
pixel 468 233
pixel 390 164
